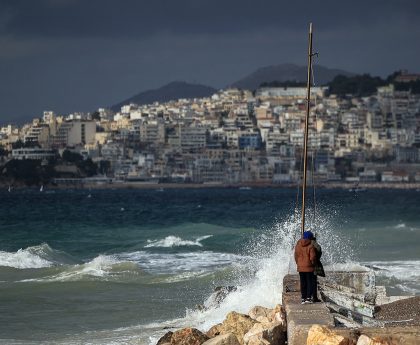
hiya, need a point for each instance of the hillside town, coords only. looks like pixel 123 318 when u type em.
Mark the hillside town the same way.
pixel 233 137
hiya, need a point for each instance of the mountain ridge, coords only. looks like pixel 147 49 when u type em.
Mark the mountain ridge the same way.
pixel 282 72
pixel 171 91
pixel 287 72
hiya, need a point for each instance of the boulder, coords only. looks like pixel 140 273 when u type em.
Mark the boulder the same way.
pixel 215 330
pixel 320 335
pixel 263 319
pixel 258 341
pixel 365 340
pixel 188 336
pixel 238 324
pixel 271 333
pixel 258 311
pixel 278 314
pixel 165 339
pixel 221 292
pixel 223 339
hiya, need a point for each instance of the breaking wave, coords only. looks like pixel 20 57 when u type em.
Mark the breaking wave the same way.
pixel 174 241
pixel 103 267
pixel 403 275
pixel 259 279
pixel 164 263
pixel 34 257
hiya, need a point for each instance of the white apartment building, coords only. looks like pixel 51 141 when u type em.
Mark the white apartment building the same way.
pixel 74 133
pixel 33 153
pixel 192 138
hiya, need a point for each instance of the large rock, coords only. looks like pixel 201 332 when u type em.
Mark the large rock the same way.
pixel 258 341
pixel 263 315
pixel 320 335
pixel 365 340
pixel 223 339
pixel 267 333
pixel 278 315
pixel 165 339
pixel 238 324
pixel 188 336
pixel 259 311
pixel 215 330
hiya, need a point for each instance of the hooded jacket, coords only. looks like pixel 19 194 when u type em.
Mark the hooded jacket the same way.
pixel 305 256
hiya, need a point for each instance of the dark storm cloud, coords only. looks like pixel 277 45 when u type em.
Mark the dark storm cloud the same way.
pixel 126 18
pixel 76 55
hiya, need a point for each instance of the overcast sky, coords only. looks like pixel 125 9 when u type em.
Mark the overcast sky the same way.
pixel 78 55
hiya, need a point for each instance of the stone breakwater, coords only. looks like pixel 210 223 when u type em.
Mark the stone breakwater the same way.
pixel 263 326
pixel 295 324
pixel 260 326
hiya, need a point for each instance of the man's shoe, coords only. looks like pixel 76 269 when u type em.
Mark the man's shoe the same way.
pixel 309 301
pixel 317 300
pixel 303 301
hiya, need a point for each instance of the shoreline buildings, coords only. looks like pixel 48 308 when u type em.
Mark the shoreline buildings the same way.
pixel 236 136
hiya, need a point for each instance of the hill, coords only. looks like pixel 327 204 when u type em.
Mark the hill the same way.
pixel 171 91
pixel 287 72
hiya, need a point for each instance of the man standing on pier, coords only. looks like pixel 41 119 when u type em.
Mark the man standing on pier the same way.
pixel 305 257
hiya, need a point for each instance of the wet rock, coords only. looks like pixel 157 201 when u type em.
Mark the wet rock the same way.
pixel 238 324
pixel 165 339
pixel 223 339
pixel 320 335
pixel 188 336
pixel 215 330
pixel 221 292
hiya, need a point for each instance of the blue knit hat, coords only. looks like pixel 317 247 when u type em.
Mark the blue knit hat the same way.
pixel 308 235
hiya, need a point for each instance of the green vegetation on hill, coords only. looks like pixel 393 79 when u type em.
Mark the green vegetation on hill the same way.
pixel 414 86
pixel 86 166
pixel 35 172
pixel 27 171
pixel 287 83
pixel 359 85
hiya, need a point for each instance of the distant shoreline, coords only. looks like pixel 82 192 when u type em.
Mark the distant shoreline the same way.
pixel 133 185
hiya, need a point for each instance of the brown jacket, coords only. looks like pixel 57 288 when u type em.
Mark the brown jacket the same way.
pixel 305 256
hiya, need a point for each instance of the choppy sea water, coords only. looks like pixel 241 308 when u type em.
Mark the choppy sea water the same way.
pixel 124 266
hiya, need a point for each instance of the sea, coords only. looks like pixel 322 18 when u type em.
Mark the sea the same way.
pixel 126 266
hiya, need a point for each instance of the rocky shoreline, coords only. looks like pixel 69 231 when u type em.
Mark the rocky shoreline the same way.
pixel 312 324
pixel 264 326
pixel 260 326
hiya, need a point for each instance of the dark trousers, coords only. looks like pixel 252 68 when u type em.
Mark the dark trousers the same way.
pixel 306 284
pixel 315 287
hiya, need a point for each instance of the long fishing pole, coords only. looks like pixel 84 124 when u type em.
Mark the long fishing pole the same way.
pixel 305 145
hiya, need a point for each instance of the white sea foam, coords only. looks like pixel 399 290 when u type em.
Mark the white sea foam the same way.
pixel 401 275
pixel 401 270
pixel 164 263
pixel 31 257
pixel 262 285
pixel 101 267
pixel 399 226
pixel 272 259
pixel 174 241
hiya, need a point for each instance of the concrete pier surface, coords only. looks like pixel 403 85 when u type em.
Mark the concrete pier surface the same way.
pixel 301 317
pixel 352 305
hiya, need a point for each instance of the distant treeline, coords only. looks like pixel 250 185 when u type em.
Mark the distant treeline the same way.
pixel 359 85
pixel 287 83
pixel 35 172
